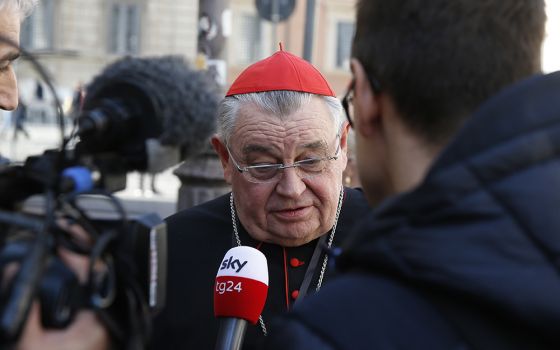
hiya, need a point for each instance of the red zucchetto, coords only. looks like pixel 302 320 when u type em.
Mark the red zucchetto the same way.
pixel 281 71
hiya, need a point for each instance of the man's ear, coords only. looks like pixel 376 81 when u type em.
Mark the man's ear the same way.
pixel 367 104
pixel 344 142
pixel 344 137
pixel 222 152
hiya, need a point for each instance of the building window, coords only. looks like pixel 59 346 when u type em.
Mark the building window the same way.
pixel 344 36
pixel 37 31
pixel 249 39
pixel 124 32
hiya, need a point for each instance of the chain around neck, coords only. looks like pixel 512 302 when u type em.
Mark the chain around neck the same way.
pixel 329 243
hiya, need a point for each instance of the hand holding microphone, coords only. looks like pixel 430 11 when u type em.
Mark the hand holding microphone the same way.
pixel 239 294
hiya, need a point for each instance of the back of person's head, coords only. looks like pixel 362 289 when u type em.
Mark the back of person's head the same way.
pixel 439 59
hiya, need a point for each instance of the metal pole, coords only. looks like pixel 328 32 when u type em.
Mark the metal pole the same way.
pixel 275 16
pixel 212 35
pixel 202 177
pixel 309 25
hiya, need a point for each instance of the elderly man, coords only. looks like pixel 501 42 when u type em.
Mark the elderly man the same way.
pixel 282 142
pixel 11 15
pixel 458 132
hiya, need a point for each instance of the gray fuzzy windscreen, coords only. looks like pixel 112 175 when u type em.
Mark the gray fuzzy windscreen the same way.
pixel 186 99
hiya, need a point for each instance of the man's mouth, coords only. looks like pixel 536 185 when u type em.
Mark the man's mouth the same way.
pixel 292 213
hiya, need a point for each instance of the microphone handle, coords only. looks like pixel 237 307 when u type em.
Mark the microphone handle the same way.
pixel 231 333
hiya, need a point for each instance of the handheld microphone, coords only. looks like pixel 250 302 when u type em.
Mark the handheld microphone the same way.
pixel 239 294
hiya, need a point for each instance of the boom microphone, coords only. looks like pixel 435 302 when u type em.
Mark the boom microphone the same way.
pixel 239 294
pixel 153 112
pixel 144 114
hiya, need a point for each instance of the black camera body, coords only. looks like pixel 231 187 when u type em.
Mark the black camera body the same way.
pixel 138 114
pixel 126 292
pixel 127 255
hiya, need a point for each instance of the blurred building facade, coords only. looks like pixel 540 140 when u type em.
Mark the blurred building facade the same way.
pixel 75 39
pixel 252 38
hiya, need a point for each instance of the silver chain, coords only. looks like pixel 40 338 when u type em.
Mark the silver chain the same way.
pixel 233 221
pixel 236 234
pixel 325 261
pixel 331 238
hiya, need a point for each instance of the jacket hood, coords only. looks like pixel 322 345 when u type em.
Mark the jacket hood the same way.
pixel 485 222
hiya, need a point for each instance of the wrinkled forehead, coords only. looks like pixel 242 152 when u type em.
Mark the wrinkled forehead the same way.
pixel 312 122
pixel 11 8
pixel 9 29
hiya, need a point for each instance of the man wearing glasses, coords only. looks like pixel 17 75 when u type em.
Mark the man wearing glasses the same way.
pixel 458 135
pixel 86 332
pixel 282 142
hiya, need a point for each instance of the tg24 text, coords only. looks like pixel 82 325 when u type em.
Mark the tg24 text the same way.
pixel 228 286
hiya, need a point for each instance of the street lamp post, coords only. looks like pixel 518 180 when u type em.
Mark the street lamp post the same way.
pixel 202 176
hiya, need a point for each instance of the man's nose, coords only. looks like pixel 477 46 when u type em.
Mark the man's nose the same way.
pixel 8 92
pixel 290 184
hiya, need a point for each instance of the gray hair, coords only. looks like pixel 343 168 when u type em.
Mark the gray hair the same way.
pixel 278 103
pixel 23 7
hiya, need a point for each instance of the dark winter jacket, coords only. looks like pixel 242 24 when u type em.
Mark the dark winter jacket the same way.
pixel 468 259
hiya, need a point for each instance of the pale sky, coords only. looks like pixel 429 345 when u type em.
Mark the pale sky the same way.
pixel 551 48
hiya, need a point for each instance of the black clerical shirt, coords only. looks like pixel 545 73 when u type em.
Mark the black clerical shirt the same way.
pixel 198 239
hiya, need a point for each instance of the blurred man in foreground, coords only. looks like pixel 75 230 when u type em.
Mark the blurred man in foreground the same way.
pixel 12 13
pixel 458 134
pixel 86 332
pixel 282 143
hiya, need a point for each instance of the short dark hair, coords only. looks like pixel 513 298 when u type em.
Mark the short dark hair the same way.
pixel 440 59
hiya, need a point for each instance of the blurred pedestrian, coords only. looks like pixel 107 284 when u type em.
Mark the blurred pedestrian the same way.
pixel 153 187
pixel 77 99
pixel 20 117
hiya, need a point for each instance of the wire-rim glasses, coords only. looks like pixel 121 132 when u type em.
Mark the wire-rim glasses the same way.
pixel 346 100
pixel 349 96
pixel 305 169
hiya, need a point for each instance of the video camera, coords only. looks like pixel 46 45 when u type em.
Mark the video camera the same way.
pixel 139 114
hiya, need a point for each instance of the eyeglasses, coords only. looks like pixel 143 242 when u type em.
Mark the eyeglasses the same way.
pixel 305 169
pixel 349 96
pixel 347 100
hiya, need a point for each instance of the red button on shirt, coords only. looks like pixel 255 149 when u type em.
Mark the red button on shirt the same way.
pixel 295 262
pixel 295 294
